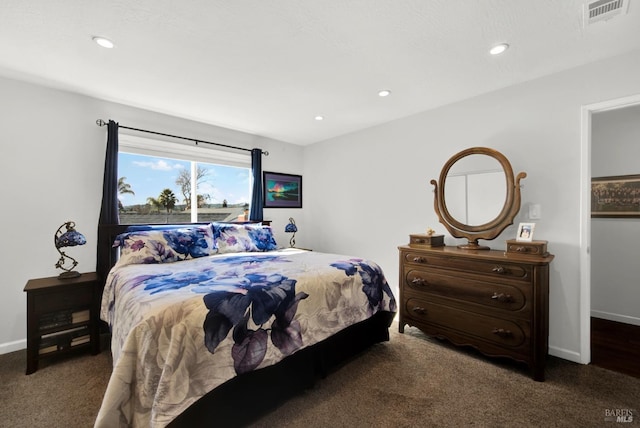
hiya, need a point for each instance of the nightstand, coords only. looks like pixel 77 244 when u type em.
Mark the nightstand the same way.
pixel 62 317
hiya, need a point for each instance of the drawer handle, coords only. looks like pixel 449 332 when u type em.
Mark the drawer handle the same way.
pixel 502 298
pixel 419 281
pixel 419 310
pixel 420 241
pixel 522 249
pixel 419 259
pixel 499 269
pixel 502 332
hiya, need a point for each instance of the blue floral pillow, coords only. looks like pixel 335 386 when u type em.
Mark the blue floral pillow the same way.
pixel 234 238
pixel 164 246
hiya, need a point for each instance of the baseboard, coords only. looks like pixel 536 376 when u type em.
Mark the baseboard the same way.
pixel 616 317
pixel 565 354
pixel 5 348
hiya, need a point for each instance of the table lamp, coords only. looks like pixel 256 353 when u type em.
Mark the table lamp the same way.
pixel 68 238
pixel 291 228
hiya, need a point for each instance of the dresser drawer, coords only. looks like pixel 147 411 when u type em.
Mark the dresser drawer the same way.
pixel 498 269
pixel 54 300
pixel 502 332
pixel 534 248
pixel 491 294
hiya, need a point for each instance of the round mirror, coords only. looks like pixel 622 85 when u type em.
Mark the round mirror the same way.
pixel 477 196
pixel 475 189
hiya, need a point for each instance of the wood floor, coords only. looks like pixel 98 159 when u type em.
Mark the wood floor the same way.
pixel 615 346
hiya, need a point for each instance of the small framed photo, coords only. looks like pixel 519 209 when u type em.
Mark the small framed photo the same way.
pixel 281 190
pixel 525 232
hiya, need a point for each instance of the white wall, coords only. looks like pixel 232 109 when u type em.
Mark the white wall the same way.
pixel 367 191
pixel 615 272
pixel 364 193
pixel 51 166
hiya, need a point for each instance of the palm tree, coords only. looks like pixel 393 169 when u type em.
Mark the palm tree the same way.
pixel 167 199
pixel 123 188
pixel 155 203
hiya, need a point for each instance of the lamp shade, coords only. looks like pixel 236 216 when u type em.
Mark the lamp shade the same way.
pixel 291 228
pixel 70 238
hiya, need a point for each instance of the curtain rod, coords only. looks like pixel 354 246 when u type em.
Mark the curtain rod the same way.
pixel 101 122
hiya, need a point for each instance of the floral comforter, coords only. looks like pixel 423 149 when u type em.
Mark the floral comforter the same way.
pixel 181 329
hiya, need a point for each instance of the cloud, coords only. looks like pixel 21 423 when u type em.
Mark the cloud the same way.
pixel 159 165
pixel 243 176
pixel 218 195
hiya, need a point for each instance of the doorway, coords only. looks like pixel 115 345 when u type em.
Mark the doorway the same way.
pixel 604 340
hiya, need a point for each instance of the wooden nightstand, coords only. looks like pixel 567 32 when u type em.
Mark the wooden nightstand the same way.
pixel 62 317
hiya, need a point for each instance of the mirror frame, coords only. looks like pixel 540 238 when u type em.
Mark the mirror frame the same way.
pixel 491 229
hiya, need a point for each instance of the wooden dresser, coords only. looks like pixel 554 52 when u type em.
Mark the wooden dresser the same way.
pixel 495 301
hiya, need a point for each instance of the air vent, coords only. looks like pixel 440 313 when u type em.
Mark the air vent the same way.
pixel 603 10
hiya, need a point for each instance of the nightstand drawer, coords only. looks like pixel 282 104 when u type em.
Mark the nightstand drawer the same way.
pixel 51 301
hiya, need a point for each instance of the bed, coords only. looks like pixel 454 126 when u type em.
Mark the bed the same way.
pixel 212 324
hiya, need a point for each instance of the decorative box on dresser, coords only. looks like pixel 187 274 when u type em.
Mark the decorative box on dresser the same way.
pixel 495 301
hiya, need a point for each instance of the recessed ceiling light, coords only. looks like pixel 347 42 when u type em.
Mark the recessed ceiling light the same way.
pixel 498 49
pixel 105 43
pixel 319 118
pixel 384 93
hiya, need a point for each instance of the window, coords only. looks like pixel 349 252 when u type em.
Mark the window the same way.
pixel 155 182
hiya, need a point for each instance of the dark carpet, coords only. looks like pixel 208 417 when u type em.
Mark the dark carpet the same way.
pixel 407 382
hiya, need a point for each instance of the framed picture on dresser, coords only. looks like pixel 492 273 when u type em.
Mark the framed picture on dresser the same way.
pixel 525 232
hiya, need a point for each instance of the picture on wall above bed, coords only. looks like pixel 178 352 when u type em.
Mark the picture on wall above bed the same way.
pixel 282 190
pixel 616 196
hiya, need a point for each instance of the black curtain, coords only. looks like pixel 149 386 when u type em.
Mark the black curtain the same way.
pixel 109 209
pixel 256 194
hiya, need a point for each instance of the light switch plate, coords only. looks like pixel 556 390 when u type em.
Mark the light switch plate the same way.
pixel 534 211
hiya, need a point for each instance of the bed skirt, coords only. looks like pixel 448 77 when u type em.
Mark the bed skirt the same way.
pixel 275 384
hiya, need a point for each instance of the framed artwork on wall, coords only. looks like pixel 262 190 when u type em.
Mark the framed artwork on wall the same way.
pixel 615 196
pixel 281 190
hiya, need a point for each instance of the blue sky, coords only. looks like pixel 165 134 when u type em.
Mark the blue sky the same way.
pixel 149 175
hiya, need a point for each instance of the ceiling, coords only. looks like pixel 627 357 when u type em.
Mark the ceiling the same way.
pixel 270 67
